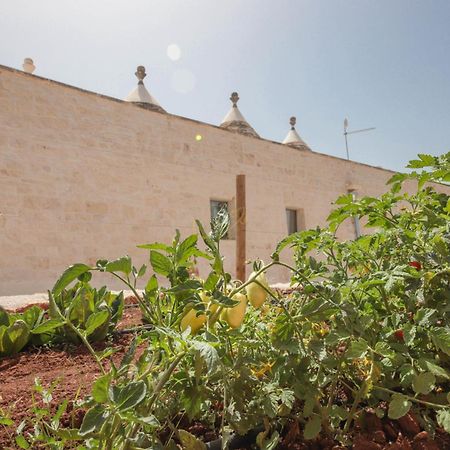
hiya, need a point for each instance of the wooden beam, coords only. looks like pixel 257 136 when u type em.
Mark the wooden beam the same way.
pixel 241 221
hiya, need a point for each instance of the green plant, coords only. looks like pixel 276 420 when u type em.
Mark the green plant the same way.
pixel 17 330
pixel 92 312
pixel 367 326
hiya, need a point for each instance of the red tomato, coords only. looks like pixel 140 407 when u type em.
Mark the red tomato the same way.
pixel 399 335
pixel 416 265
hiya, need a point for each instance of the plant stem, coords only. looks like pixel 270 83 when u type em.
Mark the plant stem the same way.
pixel 356 401
pixel 158 388
pixel 413 399
pixel 86 343
pixel 138 297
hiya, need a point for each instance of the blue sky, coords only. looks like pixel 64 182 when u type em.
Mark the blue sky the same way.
pixel 383 63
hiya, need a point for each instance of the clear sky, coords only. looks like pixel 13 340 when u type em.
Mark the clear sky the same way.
pixel 381 63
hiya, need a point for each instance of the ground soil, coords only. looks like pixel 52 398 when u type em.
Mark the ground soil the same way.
pixel 75 370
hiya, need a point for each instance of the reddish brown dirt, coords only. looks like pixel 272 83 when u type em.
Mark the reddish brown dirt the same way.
pixel 72 366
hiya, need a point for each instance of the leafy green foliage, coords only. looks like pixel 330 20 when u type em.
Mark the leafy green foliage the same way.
pixel 92 312
pixel 368 325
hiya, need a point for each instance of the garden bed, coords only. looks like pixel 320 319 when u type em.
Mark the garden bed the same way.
pixel 71 370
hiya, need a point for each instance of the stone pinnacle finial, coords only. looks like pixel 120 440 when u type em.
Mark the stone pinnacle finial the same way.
pixel 28 65
pixel 140 74
pixel 293 139
pixel 234 99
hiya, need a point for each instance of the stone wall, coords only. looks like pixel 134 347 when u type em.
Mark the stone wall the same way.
pixel 84 176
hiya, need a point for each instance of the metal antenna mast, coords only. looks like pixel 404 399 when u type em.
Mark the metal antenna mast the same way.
pixel 346 132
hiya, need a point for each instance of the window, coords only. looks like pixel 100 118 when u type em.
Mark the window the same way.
pixel 291 218
pixel 216 206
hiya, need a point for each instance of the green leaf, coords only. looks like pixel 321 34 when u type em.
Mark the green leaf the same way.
pixel 68 434
pixel 206 238
pixel 271 443
pixel 317 310
pixel 96 321
pixel 223 300
pixel 399 406
pixel 186 248
pixel 17 336
pixel 4 317
pixel 441 339
pixel 48 326
pixel 209 355
pixel 211 281
pixel 357 349
pixel 188 285
pixel 430 366
pixel 152 285
pixel 312 427
pixel 443 419
pixel 32 316
pixel 100 388
pixel 157 246
pixel 93 420
pixel 424 383
pixel 398 177
pixel 123 265
pixel 69 275
pixel 128 396
pixel 142 271
pixel 160 263
pixel 190 442
pixel 22 442
pixel 6 421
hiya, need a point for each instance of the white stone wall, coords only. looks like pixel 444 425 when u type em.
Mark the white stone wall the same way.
pixel 83 177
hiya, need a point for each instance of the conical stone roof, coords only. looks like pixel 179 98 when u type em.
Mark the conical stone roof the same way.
pixel 293 139
pixel 140 95
pixel 235 121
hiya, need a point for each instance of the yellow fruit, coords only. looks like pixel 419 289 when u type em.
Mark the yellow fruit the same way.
pixel 192 320
pixel 235 316
pixel 206 299
pixel 255 293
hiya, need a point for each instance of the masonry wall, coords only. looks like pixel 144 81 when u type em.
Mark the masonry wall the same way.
pixel 84 177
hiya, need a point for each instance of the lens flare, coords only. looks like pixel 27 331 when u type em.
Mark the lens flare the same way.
pixel 173 52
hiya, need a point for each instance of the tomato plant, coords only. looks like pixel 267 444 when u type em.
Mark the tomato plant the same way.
pixel 367 326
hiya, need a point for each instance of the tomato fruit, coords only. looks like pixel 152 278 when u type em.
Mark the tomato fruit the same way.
pixel 256 294
pixel 235 316
pixel 192 320
pixel 416 265
pixel 399 335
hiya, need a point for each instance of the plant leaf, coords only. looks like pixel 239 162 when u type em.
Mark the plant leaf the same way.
pixel 312 427
pixel 123 265
pixel 128 396
pixel 93 420
pixel 47 326
pixel 100 388
pixel 209 355
pixel 69 275
pixel 160 263
pixel 399 406
pixel 443 419
pixel 190 442
pixel 423 383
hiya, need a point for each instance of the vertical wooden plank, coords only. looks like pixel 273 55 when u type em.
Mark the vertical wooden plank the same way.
pixel 241 220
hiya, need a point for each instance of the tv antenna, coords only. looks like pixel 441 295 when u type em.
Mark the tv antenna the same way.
pixel 346 133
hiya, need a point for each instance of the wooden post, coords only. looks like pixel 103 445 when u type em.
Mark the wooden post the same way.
pixel 241 220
